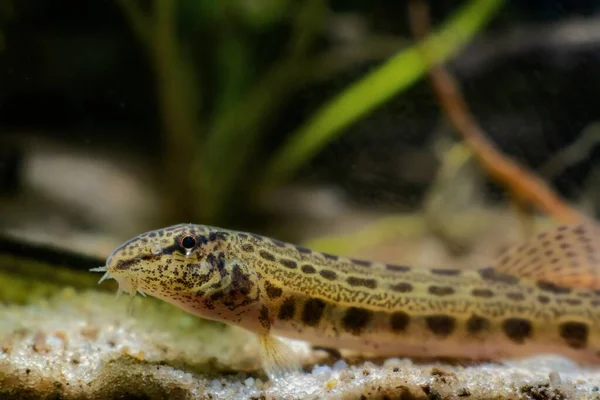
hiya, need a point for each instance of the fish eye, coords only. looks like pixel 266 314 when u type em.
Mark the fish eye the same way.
pixel 188 242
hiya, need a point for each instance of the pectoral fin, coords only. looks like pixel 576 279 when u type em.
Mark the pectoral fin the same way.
pixel 278 358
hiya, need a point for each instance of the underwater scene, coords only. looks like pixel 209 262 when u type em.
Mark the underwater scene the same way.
pixel 277 199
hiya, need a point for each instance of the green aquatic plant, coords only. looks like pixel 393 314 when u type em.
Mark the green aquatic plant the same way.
pixel 394 76
pixel 211 147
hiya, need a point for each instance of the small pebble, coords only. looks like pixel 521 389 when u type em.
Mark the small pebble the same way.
pixel 331 384
pixel 259 384
pixel 90 332
pixel 39 343
pixel 321 370
pixel 554 377
pixel 340 365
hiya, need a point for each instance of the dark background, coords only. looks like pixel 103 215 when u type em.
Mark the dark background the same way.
pixel 73 71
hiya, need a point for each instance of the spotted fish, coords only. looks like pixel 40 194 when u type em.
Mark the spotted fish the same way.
pixel 540 297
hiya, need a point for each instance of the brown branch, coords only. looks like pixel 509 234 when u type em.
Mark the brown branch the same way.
pixel 522 183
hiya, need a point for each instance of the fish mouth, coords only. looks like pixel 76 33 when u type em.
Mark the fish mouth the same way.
pixel 106 273
pixel 104 268
pixel 126 284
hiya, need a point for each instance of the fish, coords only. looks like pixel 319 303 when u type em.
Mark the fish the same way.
pixel 540 297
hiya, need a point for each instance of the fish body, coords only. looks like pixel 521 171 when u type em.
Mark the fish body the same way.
pixel 518 306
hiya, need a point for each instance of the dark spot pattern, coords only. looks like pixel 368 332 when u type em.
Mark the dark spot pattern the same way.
pixel 308 269
pixel 287 309
pixel 328 274
pixel 303 250
pixel 402 287
pixel 517 329
pixel 516 296
pixel 362 263
pixel 441 325
pixel 126 264
pixel 482 293
pixel 217 295
pixel 356 320
pixel 263 318
pixel 493 275
pixel 209 304
pixel 313 311
pixel 440 290
pixel 330 256
pixel 214 262
pixel 240 281
pixel 543 299
pixel 278 243
pixel 572 302
pixel 368 283
pixel 266 255
pixel 477 324
pixel 288 263
pixel 399 321
pixel 447 272
pixel 397 268
pixel 551 287
pixel 247 247
pixel 273 291
pixel 575 334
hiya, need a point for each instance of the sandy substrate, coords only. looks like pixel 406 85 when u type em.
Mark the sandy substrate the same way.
pixel 87 345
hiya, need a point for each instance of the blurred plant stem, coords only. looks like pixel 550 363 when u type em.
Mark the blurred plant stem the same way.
pixel 235 132
pixel 208 169
pixel 455 191
pixel 179 102
pixel 396 75
pixel 525 187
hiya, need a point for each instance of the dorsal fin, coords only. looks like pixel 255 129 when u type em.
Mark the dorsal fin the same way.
pixel 568 255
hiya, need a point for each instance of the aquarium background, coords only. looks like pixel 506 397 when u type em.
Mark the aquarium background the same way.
pixel 315 122
pixel 202 99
